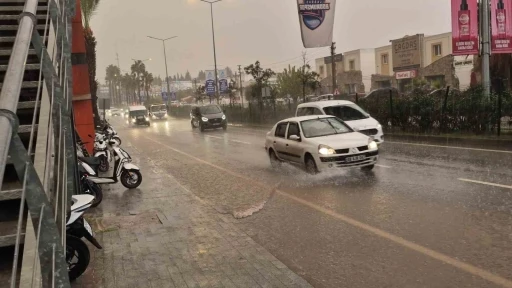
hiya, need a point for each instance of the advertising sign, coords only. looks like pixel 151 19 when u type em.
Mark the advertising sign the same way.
pixel 405 74
pixel 165 96
pixel 464 27
pixel 501 23
pixel 209 85
pixel 407 52
pixel 316 19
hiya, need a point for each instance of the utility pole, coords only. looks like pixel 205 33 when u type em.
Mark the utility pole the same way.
pixel 333 63
pixel 214 52
pixel 241 88
pixel 165 60
pixel 486 42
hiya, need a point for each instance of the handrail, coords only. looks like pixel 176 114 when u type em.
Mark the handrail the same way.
pixel 13 79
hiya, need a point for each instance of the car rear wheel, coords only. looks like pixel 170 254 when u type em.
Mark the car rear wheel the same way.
pixel 311 165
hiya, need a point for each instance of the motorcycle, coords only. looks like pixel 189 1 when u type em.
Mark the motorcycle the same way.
pixel 109 131
pixel 123 171
pixel 89 187
pixel 102 152
pixel 77 252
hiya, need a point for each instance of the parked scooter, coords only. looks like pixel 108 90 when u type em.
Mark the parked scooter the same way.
pixel 109 131
pixel 89 187
pixel 124 171
pixel 77 252
pixel 102 152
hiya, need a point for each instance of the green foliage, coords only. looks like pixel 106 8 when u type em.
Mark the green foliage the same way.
pixel 261 77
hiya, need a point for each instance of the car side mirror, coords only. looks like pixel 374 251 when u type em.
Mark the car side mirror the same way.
pixel 294 138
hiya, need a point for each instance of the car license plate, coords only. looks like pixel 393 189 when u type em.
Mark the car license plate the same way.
pixel 88 227
pixel 355 158
pixel 140 117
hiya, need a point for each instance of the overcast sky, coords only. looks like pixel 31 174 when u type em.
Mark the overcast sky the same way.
pixel 247 30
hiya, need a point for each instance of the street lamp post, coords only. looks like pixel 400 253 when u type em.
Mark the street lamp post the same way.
pixel 165 59
pixel 138 75
pixel 214 52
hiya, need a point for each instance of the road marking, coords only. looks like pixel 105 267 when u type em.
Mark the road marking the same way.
pixel 236 141
pixel 376 231
pixel 382 166
pixel 485 183
pixel 451 147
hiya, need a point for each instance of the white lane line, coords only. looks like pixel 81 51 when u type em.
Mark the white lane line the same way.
pixel 242 142
pixel 236 141
pixel 485 183
pixel 473 270
pixel 451 147
pixel 383 166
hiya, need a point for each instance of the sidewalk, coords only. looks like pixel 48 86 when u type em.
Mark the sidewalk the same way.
pixel 162 235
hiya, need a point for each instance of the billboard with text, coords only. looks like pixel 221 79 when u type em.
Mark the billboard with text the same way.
pixel 316 19
pixel 501 24
pixel 464 27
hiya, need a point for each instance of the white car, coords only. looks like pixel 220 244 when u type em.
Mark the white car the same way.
pixel 349 112
pixel 320 143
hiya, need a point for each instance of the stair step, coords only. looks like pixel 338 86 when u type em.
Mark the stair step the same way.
pixel 11 38
pixel 27 84
pixel 15 27
pixel 25 129
pixel 26 105
pixel 20 8
pixel 8 52
pixel 9 212
pixel 10 191
pixel 27 67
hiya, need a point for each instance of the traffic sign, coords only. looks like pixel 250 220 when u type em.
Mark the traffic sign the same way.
pixel 336 92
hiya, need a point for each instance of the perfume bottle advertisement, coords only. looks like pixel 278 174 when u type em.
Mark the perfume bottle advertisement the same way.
pixel 465 27
pixel 501 26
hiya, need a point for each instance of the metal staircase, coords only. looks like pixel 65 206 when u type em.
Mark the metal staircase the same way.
pixel 37 147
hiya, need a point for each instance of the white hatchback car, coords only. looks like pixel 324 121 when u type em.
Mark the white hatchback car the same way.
pixel 349 112
pixel 320 143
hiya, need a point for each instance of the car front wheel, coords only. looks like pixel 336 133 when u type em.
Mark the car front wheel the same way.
pixel 368 168
pixel 311 165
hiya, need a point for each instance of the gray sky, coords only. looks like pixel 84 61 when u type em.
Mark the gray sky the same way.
pixel 247 30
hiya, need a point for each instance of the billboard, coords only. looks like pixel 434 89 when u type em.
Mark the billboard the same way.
pixel 223 81
pixel 316 19
pixel 501 23
pixel 407 52
pixel 464 27
pixel 210 82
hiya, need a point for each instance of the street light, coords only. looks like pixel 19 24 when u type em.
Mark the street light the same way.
pixel 165 59
pixel 214 53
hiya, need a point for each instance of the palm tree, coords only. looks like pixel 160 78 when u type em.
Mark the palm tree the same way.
pixel 147 79
pixel 88 8
pixel 138 68
pixel 110 77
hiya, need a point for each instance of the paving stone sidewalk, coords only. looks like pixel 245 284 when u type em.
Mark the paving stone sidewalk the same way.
pixel 162 235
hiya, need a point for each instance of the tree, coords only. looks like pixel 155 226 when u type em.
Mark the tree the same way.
pixel 289 83
pixel 261 77
pixel 308 79
pixel 182 78
pixel 199 93
pixel 138 68
pixel 147 79
pixel 187 76
pixel 112 78
pixel 201 76
pixel 88 8
pixel 232 91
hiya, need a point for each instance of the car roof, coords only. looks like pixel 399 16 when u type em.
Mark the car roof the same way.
pixel 305 118
pixel 322 104
pixel 137 108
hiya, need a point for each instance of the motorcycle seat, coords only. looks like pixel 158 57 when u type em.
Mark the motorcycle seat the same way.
pixel 92 161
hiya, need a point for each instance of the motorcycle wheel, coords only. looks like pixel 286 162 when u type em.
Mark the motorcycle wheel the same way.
pixel 76 249
pixel 95 190
pixel 117 139
pixel 103 164
pixel 131 179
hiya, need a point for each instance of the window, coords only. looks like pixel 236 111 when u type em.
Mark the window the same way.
pixel 436 50
pixel 212 109
pixel 307 111
pixel 323 127
pixel 281 130
pixel 352 65
pixel 384 59
pixel 293 129
pixel 321 70
pixel 350 88
pixel 347 113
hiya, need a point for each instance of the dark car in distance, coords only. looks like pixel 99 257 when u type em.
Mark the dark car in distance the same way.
pixel 208 117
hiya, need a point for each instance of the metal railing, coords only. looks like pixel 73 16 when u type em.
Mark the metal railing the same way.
pixel 46 192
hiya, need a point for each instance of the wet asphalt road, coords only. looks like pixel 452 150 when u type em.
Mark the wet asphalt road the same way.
pixel 419 220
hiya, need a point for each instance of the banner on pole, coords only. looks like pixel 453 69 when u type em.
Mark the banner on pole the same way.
pixel 316 19
pixel 209 85
pixel 465 27
pixel 501 23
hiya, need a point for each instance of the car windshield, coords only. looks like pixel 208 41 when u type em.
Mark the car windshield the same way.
pixel 213 109
pixel 347 112
pixel 323 127
pixel 138 113
pixel 158 108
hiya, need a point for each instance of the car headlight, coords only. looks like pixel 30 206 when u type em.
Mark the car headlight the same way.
pixel 372 145
pixel 223 117
pixel 204 119
pixel 154 117
pixel 326 150
pixel 133 120
pixel 379 126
